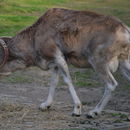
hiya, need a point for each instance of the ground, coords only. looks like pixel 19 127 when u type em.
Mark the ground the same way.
pixel 23 91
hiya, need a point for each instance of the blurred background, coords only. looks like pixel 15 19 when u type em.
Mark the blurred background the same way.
pixel 18 14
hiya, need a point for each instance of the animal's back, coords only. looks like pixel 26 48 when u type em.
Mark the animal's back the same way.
pixel 75 31
pixel 78 30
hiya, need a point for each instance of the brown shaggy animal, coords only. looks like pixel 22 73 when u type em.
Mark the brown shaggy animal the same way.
pixel 82 38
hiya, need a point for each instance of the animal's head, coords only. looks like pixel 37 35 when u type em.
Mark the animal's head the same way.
pixel 8 63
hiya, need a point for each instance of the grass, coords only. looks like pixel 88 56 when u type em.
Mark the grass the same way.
pixel 17 14
pixel 7 107
pixel 84 78
pixel 121 115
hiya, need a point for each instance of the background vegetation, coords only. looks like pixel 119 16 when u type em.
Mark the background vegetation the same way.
pixel 17 14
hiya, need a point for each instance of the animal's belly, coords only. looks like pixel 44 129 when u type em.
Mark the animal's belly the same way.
pixel 79 62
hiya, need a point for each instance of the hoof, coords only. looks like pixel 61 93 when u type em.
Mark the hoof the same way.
pixel 92 114
pixel 44 107
pixel 89 116
pixel 77 110
pixel 128 118
pixel 75 115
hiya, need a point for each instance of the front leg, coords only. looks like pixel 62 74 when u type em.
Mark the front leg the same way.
pixel 54 81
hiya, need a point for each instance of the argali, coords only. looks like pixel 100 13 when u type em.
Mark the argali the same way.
pixel 82 38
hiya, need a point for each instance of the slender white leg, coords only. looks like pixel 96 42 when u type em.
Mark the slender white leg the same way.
pixel 110 86
pixel 67 79
pixel 77 106
pixel 54 81
pixel 102 103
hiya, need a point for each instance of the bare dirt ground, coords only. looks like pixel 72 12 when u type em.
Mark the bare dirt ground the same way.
pixel 22 93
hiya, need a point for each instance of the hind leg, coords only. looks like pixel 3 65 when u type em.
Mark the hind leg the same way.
pixel 67 79
pixel 125 69
pixel 110 85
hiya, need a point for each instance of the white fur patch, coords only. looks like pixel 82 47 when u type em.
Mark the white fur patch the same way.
pixel 111 87
pixel 113 64
pixel 123 36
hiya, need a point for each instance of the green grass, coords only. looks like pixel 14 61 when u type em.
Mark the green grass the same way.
pixel 121 115
pixel 18 14
pixel 84 78
pixel 11 24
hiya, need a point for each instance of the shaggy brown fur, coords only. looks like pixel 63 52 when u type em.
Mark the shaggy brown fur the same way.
pixel 83 38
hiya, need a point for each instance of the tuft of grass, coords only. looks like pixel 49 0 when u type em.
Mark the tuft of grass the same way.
pixel 10 107
pixel 84 78
pixel 121 115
